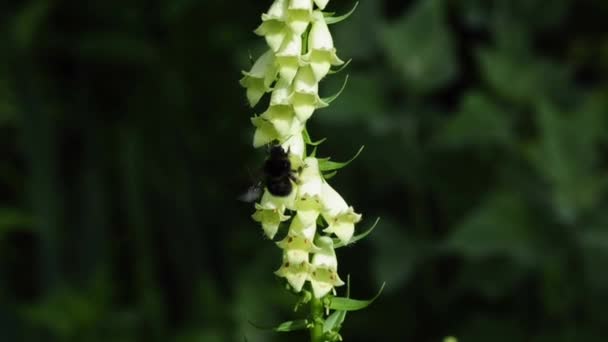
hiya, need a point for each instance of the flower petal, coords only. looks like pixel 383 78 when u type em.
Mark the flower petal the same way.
pixel 321 3
pixel 295 144
pixel 305 224
pixel 299 15
pixel 288 201
pixel 323 274
pixel 295 273
pixel 343 225
pixel 283 119
pixel 333 203
pixel 277 11
pixel 311 182
pixel 264 133
pixel 270 217
pixel 274 31
pixel 259 78
pixel 320 38
pixel 288 57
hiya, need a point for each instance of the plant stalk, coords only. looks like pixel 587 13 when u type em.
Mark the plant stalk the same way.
pixel 316 312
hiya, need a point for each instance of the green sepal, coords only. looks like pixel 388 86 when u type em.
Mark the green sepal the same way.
pixel 334 20
pixel 309 141
pixel 327 165
pixel 347 304
pixel 332 98
pixel 300 324
pixel 342 67
pixel 338 243
pixel 329 175
pixel 334 321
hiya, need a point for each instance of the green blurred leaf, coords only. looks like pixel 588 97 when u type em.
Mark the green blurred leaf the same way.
pixel 567 158
pixel 419 45
pixel 357 38
pixel 395 254
pixel 480 122
pixel 502 225
pixel 520 77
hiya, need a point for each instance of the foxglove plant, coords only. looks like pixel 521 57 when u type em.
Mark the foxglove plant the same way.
pixel 300 55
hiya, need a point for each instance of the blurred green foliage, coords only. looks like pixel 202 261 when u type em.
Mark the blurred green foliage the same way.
pixel 126 140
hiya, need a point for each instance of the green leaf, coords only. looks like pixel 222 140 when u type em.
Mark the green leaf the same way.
pixel 480 123
pixel 347 304
pixel 327 165
pixel 420 47
pixel 335 20
pixel 486 232
pixel 338 243
pixel 332 98
pixel 342 67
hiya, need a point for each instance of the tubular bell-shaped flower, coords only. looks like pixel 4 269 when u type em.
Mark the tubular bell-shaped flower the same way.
pixel 270 216
pixel 324 276
pixel 305 98
pixel 322 53
pixel 300 13
pixel 274 27
pixel 288 57
pixel 260 77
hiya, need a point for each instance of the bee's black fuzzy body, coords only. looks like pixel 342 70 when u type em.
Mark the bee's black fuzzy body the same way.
pixel 278 173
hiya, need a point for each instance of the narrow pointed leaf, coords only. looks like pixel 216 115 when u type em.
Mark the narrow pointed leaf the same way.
pixel 338 243
pixel 332 98
pixel 342 67
pixel 334 20
pixel 327 165
pixel 347 304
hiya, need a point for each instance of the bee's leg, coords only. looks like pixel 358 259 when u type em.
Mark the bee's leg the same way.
pixel 293 177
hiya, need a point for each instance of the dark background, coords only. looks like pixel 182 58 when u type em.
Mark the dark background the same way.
pixel 125 140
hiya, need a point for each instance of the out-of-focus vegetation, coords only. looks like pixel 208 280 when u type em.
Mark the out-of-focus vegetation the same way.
pixel 126 140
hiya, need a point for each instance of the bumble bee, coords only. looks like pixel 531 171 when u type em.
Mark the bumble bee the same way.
pixel 278 176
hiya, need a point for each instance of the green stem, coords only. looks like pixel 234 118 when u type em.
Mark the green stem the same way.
pixel 316 312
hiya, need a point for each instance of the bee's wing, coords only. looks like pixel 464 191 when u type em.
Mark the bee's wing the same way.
pixel 252 194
